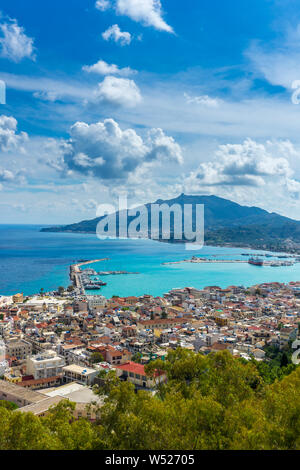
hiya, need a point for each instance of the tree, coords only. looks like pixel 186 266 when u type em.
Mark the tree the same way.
pixel 137 357
pixel 61 290
pixel 213 402
pixel 164 314
pixel 96 357
pixel 9 405
pixel 284 360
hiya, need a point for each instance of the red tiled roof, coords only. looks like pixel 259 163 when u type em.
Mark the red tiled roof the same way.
pixel 133 367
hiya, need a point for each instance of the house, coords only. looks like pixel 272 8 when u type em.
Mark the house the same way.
pixel 287 334
pixel 135 373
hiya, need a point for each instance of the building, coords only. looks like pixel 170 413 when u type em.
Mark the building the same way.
pixel 135 373
pixel 18 298
pixel 21 397
pixel 45 366
pixel 19 349
pixel 76 373
pixel 96 301
pixel 287 334
pixel 40 402
pixel 80 306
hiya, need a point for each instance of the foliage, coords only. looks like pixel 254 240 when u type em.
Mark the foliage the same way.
pixel 209 402
pixel 137 357
pixel 96 357
pixel 9 405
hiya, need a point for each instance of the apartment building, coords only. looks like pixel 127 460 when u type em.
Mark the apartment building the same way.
pixel 45 365
pixel 18 348
pixel 96 301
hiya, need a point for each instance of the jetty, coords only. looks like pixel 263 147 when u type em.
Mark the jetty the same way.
pixel 76 275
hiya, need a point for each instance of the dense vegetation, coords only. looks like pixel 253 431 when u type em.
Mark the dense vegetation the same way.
pixel 209 402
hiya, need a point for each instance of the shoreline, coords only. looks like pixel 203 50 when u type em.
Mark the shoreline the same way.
pixel 293 251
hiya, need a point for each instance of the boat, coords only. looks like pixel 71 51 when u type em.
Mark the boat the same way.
pixel 256 261
pixel 92 287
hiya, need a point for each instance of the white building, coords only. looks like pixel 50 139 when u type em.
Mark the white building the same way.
pixel 45 365
pixel 76 373
pixel 96 301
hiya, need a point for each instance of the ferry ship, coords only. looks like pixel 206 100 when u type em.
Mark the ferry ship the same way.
pixel 256 261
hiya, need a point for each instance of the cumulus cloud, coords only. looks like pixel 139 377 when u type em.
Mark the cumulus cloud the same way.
pixel 103 68
pixel 105 151
pixel 148 12
pixel 9 139
pixel 246 164
pixel 163 147
pixel 203 100
pixel 102 5
pixel 118 92
pixel 14 44
pixel 115 34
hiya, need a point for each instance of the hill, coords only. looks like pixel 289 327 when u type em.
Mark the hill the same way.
pixel 226 223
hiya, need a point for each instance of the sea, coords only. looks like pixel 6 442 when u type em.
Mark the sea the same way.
pixel 31 260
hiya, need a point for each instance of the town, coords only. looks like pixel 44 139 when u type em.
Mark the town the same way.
pixel 56 346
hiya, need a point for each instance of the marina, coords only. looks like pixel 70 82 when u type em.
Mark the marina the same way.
pixel 88 278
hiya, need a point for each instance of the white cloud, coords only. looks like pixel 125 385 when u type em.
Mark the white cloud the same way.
pixel 14 43
pixel 102 5
pixel 148 12
pixel 119 92
pixel 6 175
pixel 103 68
pixel 105 151
pixel 203 100
pixel 246 164
pixel 279 62
pixel 9 139
pixel 163 147
pixel 115 34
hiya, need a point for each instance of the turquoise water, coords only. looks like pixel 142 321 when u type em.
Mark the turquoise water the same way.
pixel 30 260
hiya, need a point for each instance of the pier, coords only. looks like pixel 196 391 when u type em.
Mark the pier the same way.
pixel 82 279
pixel 76 273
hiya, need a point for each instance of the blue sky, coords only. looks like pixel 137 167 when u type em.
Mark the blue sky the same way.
pixel 148 97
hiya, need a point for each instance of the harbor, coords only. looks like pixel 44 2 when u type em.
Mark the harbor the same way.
pixel 281 260
pixel 88 279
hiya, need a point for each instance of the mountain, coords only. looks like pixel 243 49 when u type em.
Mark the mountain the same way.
pixel 226 223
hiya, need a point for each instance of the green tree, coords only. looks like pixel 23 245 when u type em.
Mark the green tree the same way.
pixel 9 405
pixel 137 357
pixel 96 357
